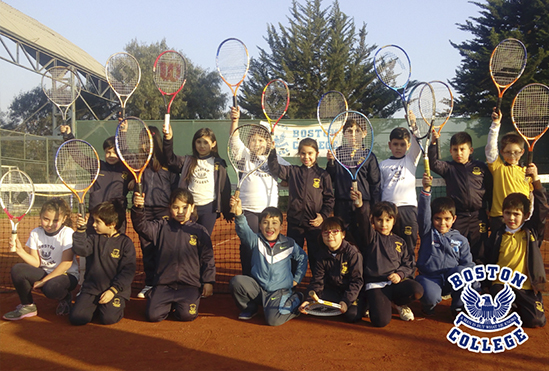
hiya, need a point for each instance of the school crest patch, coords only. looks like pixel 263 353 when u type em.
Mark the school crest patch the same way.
pixel 116 302
pixel 192 309
pixel 192 240
pixel 316 182
pixel 115 253
pixel 344 268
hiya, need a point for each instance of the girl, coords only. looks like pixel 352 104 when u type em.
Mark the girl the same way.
pixel 203 173
pixel 388 265
pixel 338 273
pixel 311 197
pixel 257 192
pixel 50 266
pixel 184 258
pixel 159 180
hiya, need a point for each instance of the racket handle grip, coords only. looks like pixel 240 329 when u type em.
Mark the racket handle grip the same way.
pixel 530 158
pixel 236 195
pixel 354 184
pixel 427 167
pixel 13 238
pixel 139 188
pixel 82 209
pixel 166 122
pixel 235 101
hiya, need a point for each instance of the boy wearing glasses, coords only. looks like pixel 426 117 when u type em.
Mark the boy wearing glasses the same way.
pixel 338 273
pixel 509 176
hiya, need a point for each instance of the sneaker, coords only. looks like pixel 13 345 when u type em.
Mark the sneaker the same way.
pixel 64 306
pixel 447 297
pixel 247 314
pixel 21 311
pixel 456 312
pixel 146 289
pixel 367 314
pixel 405 313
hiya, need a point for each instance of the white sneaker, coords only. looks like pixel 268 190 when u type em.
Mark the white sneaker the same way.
pixel 405 313
pixel 146 289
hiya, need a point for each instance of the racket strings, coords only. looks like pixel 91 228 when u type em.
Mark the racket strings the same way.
pixel 507 62
pixel 444 103
pixel 232 61
pixel 123 73
pixel 331 105
pixel 393 67
pixel 77 164
pixel 134 143
pixel 61 86
pixel 530 110
pixel 249 147
pixel 421 109
pixel 352 139
pixel 170 72
pixel 16 193
pixel 275 100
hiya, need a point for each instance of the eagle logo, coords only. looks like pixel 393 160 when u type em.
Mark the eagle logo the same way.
pixel 485 310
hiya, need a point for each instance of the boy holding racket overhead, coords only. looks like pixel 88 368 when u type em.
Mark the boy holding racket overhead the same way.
pixel 272 283
pixel 469 184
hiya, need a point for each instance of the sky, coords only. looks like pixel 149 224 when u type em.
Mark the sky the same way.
pixel 423 28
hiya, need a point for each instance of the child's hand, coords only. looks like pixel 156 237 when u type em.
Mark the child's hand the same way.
pixel 343 308
pixel 235 113
pixel 316 222
pixel 65 129
pixel 168 133
pixel 427 181
pixel 356 196
pixel 330 155
pixel 207 290
pixel 496 116
pixel 394 278
pixel 434 136
pixel 106 297
pixel 303 306
pixel 236 205
pixel 532 170
pixel 412 119
pixel 38 284
pixel 81 222
pixel 138 199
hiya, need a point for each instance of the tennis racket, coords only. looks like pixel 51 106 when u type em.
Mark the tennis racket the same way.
pixel 530 114
pixel 123 75
pixel 421 115
pixel 329 106
pixel 351 142
pixel 169 75
pixel 248 148
pixel 275 100
pixel 232 62
pixel 16 198
pixel 444 105
pixel 507 63
pixel 134 146
pixel 322 308
pixel 77 165
pixel 62 87
pixel 393 68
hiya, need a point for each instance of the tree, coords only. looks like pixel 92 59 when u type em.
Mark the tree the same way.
pixel 201 97
pixel 30 112
pixel 321 50
pixel 526 20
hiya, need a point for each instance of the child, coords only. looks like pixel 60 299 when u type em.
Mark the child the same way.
pixel 110 265
pixel 185 266
pixel 469 184
pixel 258 191
pixel 204 173
pixel 368 181
pixel 50 266
pixel 311 197
pixel 509 176
pixel 398 183
pixel 338 274
pixel 271 282
pixel 388 265
pixel 443 250
pixel 159 180
pixel 517 245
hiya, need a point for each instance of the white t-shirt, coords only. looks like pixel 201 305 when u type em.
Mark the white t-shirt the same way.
pixel 398 177
pixel 202 184
pixel 50 248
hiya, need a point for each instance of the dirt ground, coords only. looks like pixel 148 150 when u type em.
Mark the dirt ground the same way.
pixel 217 340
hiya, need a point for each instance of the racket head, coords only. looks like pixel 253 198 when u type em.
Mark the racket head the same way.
pixel 232 61
pixel 444 104
pixel 507 63
pixel 248 149
pixel 16 194
pixel 77 165
pixel 62 87
pixel 392 66
pixel 421 109
pixel 351 140
pixel 330 105
pixel 275 100
pixel 530 112
pixel 123 75
pixel 134 145
pixel 322 310
pixel 170 72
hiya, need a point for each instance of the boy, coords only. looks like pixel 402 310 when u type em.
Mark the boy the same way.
pixel 509 176
pixel 110 265
pixel 271 283
pixel 398 183
pixel 443 250
pixel 368 179
pixel 469 184
pixel 517 245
